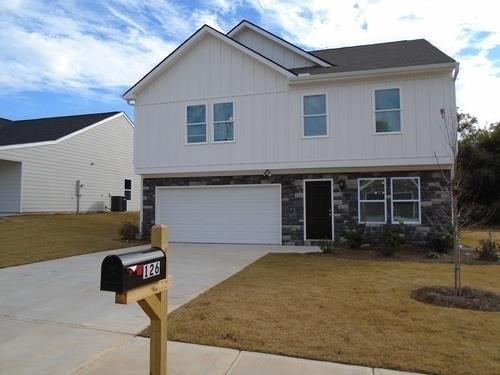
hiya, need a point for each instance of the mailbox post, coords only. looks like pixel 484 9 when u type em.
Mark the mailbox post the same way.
pixel 142 277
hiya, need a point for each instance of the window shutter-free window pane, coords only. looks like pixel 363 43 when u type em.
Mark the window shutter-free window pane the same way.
pixel 372 212
pixel 196 114
pixel 197 133
pixel 387 99
pixel 128 195
pixel 128 184
pixel 388 121
pixel 223 131
pixel 406 212
pixel 405 189
pixel 314 105
pixel 372 189
pixel 314 126
pixel 223 112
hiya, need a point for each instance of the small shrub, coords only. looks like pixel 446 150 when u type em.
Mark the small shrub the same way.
pixel 355 236
pixel 327 247
pixel 441 243
pixel 129 231
pixel 489 249
pixel 392 239
pixel 432 255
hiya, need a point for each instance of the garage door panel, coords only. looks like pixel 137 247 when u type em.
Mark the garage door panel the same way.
pixel 225 214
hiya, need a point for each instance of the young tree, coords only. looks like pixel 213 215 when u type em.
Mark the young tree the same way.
pixel 458 189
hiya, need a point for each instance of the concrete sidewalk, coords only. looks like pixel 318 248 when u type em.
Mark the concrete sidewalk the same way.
pixel 54 319
pixel 132 358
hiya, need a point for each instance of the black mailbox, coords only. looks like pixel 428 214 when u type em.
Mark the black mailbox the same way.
pixel 123 272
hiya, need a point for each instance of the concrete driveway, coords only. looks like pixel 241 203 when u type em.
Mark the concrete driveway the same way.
pixel 54 319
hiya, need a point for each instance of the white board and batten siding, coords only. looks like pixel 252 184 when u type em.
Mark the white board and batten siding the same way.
pixel 221 214
pixel 268 118
pixel 274 51
pixel 101 157
pixel 10 186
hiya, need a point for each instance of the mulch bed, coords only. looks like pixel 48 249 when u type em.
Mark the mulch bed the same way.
pixel 472 299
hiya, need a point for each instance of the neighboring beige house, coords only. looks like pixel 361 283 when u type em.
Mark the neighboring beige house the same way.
pixel 244 137
pixel 61 164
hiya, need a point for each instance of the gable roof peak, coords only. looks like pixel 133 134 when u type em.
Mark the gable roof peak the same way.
pixel 245 24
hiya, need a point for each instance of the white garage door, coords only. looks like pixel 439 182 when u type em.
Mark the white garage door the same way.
pixel 221 214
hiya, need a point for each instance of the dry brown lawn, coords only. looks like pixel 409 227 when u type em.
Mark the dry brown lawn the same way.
pixel 34 238
pixel 345 310
pixel 471 237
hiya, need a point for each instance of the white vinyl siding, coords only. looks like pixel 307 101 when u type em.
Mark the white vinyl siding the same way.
pixel 372 205
pixel 100 157
pixel 405 203
pixel 221 214
pixel 10 186
pixel 272 50
pixel 269 123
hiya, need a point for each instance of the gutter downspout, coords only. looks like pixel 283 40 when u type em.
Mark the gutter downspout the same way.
pixel 455 71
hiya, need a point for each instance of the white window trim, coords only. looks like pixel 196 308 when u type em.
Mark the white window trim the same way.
pixel 304 207
pixel 186 140
pixel 379 200
pixel 304 136
pixel 217 122
pixel 406 200
pixel 400 131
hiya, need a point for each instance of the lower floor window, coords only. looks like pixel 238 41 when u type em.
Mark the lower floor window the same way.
pixel 405 200
pixel 371 197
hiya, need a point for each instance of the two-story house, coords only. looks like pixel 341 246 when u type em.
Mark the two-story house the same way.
pixel 246 138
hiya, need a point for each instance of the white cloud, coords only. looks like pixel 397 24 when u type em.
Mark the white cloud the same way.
pixel 77 48
pixel 447 24
pixel 86 46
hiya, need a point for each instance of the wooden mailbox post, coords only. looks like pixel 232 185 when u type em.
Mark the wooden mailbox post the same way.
pixel 153 299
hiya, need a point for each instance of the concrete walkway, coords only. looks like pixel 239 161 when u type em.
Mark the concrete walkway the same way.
pixel 54 319
pixel 132 359
pixel 53 313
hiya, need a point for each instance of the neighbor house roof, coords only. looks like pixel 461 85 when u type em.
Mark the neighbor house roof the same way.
pixel 46 129
pixel 377 56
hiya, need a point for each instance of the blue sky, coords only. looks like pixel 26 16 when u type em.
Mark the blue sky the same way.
pixel 79 56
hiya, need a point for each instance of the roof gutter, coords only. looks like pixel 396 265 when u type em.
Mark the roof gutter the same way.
pixel 372 73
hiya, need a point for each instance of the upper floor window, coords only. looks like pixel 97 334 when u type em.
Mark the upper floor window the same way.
pixel 223 122
pixel 371 200
pixel 314 116
pixel 405 200
pixel 387 111
pixel 196 117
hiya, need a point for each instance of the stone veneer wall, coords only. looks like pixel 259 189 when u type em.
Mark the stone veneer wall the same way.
pixel 434 201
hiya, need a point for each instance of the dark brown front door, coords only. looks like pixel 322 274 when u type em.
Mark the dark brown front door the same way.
pixel 318 198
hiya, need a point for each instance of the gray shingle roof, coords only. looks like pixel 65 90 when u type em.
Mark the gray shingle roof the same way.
pixel 377 56
pixel 46 129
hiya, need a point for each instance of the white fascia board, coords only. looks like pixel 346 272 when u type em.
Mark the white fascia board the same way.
pixel 45 143
pixel 438 161
pixel 191 41
pixel 274 38
pixel 372 73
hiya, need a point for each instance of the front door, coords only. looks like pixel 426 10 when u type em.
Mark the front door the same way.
pixel 318 215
